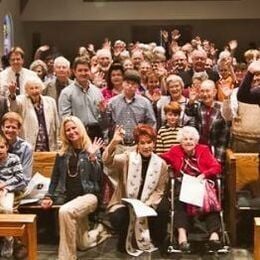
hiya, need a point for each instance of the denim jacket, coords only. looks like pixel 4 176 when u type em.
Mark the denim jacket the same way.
pixel 90 173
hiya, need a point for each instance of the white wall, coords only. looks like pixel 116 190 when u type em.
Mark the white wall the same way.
pixel 73 10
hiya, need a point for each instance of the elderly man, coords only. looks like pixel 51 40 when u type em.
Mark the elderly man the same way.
pixel 199 58
pixel 178 63
pixel 82 99
pixel 54 87
pixel 137 57
pixel 213 129
pixel 16 74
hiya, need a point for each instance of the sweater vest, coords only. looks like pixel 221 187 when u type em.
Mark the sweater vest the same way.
pixel 247 122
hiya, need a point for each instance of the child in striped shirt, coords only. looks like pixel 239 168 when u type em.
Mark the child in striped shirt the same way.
pixel 167 134
pixel 11 181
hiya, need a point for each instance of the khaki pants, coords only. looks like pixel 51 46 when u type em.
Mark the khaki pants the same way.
pixel 73 221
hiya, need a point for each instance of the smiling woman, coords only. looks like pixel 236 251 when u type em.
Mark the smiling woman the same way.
pixel 143 176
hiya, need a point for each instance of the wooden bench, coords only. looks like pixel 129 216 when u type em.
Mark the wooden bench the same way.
pixel 242 169
pixel 257 238
pixel 21 225
pixel 43 162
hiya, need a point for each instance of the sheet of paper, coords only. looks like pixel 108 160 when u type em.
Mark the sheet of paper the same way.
pixel 37 187
pixel 192 190
pixel 140 209
pixel 28 201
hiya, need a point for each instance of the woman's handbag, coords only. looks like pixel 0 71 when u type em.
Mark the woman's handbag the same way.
pixel 210 201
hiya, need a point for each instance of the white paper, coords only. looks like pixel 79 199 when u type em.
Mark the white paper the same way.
pixel 37 187
pixel 140 209
pixel 7 202
pixel 192 190
pixel 28 201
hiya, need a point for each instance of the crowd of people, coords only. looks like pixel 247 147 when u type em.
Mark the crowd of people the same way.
pixel 125 111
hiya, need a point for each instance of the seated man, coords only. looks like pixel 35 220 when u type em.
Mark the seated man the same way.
pixel 11 125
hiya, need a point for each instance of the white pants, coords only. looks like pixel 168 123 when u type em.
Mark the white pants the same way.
pixel 73 221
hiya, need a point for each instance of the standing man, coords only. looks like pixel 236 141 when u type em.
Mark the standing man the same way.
pixel 16 74
pixel 198 58
pixel 82 99
pixel 54 87
pixel 213 129
pixel 130 109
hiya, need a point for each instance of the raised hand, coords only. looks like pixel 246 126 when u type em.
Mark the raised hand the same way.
pixel 232 45
pixel 254 67
pixel 12 88
pixel 95 146
pixel 175 34
pixel 165 35
pixel 118 135
pixel 193 95
pixel 102 105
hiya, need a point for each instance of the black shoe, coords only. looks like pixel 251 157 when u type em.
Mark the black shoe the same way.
pixel 214 245
pixel 184 247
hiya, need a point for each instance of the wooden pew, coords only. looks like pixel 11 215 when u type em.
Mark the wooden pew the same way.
pixel 242 168
pixel 21 225
pixel 257 239
pixel 43 163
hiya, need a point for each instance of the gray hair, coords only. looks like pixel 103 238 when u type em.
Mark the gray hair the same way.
pixel 174 78
pixel 33 81
pixel 61 60
pixel 37 63
pixel 188 131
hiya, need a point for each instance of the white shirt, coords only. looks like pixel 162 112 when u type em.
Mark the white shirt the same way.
pixel 8 75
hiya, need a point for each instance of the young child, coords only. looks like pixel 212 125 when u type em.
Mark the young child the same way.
pixel 227 78
pixel 167 134
pixel 11 181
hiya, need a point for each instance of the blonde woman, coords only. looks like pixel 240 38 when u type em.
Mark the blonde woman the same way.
pixel 75 184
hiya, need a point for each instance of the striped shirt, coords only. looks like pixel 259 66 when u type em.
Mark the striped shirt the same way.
pixel 11 173
pixel 166 138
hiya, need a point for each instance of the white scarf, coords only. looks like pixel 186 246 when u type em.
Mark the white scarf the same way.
pixel 138 227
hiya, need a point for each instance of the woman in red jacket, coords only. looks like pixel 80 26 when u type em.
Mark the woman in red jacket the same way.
pixel 194 159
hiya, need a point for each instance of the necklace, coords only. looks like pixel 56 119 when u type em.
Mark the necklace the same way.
pixel 73 165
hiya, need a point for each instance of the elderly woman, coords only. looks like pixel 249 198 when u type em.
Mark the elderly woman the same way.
pixel 196 160
pixel 40 68
pixel 174 85
pixel 75 184
pixel 39 113
pixel 143 176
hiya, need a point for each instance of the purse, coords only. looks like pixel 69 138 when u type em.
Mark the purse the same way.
pixel 210 201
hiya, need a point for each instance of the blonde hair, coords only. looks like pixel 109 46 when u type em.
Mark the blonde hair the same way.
pixel 12 116
pixel 84 138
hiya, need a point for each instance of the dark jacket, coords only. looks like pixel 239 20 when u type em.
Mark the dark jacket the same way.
pixel 90 173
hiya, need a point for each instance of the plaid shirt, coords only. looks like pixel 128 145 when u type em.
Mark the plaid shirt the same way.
pixel 218 127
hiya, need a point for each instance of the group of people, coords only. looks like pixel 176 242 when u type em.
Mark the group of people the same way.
pixel 127 114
